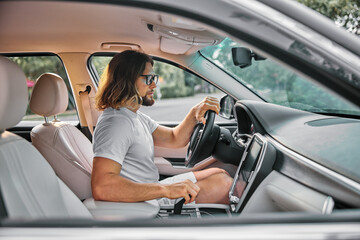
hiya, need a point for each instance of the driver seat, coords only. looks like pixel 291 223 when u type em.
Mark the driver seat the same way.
pixel 66 149
pixel 29 187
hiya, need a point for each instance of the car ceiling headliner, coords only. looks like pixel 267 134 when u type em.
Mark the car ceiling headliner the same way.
pixel 57 27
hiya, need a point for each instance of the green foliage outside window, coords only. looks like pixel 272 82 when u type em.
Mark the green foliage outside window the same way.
pixel 174 82
pixel 276 84
pixel 35 66
pixel 100 63
pixel 346 13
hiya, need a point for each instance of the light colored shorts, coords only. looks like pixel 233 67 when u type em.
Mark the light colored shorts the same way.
pixel 175 179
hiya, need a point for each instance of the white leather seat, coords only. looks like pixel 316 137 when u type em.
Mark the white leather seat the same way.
pixel 67 150
pixel 29 186
pixel 70 153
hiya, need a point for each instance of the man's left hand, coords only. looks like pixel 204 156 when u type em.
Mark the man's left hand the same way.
pixel 209 103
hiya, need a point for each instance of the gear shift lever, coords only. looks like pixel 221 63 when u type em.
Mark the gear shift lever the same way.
pixel 178 205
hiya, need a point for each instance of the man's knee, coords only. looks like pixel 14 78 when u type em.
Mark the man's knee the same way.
pixel 226 180
pixel 215 189
pixel 203 174
pixel 220 170
pixel 222 180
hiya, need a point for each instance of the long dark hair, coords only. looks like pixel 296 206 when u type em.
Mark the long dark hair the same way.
pixel 117 84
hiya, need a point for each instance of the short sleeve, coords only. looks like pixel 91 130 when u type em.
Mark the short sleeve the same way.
pixel 112 138
pixel 149 121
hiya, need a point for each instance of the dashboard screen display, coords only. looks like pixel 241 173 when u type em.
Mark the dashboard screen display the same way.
pixel 251 159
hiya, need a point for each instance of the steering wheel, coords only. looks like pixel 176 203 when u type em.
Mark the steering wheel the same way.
pixel 202 141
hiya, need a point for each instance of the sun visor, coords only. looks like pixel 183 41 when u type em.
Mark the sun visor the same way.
pixel 181 41
pixel 173 47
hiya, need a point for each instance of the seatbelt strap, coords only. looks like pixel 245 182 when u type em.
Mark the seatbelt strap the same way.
pixel 85 102
pixel 3 212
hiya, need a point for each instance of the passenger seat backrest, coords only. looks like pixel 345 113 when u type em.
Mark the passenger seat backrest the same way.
pixel 67 150
pixel 29 186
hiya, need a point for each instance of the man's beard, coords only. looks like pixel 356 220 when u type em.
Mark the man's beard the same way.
pixel 146 101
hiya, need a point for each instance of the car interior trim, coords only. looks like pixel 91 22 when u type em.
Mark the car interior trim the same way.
pixel 354 186
pixel 279 193
pixel 3 212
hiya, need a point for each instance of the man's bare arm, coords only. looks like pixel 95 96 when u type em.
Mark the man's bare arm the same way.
pixel 180 135
pixel 107 185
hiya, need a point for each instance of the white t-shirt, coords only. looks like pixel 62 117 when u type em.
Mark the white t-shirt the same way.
pixel 126 137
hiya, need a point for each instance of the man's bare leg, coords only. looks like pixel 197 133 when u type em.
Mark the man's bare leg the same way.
pixel 202 174
pixel 214 189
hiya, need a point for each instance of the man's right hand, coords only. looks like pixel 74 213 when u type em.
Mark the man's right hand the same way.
pixel 183 189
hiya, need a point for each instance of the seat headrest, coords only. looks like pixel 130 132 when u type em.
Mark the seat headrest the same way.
pixel 13 94
pixel 49 96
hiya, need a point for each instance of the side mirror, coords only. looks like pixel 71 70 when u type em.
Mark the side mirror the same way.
pixel 227 107
pixel 242 56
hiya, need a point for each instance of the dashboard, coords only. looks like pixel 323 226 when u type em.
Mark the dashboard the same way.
pixel 275 152
pixel 290 160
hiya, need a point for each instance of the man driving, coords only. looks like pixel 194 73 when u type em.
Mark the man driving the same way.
pixel 124 139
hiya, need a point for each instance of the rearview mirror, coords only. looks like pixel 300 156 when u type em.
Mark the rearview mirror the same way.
pixel 242 56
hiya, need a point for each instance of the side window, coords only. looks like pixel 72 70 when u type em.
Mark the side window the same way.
pixel 177 92
pixel 99 63
pixel 33 67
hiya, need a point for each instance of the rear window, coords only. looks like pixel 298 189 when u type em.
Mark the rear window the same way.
pixel 35 66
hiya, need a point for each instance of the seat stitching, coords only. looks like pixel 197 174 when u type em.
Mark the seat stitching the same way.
pixel 66 157
pixel 75 144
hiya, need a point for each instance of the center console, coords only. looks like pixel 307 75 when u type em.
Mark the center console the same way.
pixel 255 164
pixel 194 210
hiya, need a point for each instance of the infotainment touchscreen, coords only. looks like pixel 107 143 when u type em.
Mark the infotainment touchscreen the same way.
pixel 246 167
pixel 250 160
pixel 256 163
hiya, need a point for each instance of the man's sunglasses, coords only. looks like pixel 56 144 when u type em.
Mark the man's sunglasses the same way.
pixel 149 79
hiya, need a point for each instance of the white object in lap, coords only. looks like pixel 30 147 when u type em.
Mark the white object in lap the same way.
pixel 175 179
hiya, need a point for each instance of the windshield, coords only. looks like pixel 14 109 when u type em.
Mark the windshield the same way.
pixel 276 84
